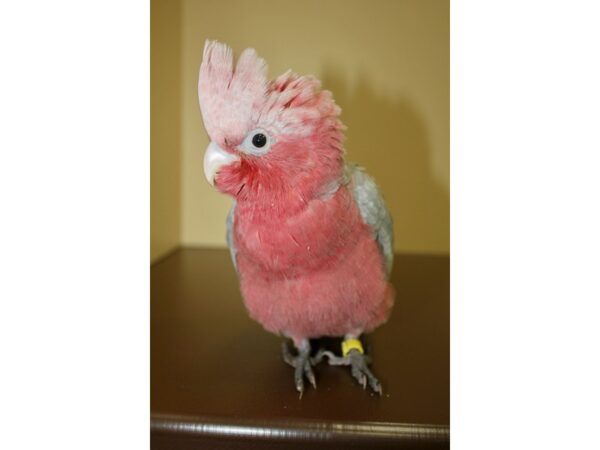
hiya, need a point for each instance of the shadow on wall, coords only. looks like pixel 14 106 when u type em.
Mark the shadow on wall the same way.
pixel 389 138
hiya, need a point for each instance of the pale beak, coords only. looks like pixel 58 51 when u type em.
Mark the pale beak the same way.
pixel 215 158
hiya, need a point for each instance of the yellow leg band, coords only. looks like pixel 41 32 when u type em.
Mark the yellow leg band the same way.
pixel 351 344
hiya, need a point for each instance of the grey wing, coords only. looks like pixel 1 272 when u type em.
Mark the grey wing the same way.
pixel 229 235
pixel 373 211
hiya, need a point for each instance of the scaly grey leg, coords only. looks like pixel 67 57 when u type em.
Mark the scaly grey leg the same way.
pixel 357 360
pixel 301 363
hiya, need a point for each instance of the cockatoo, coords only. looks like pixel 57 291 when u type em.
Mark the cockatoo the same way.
pixel 309 234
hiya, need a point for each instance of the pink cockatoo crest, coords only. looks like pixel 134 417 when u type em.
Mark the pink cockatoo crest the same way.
pixel 229 98
pixel 236 100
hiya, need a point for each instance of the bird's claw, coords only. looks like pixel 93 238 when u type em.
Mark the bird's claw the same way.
pixel 320 355
pixel 359 369
pixel 302 364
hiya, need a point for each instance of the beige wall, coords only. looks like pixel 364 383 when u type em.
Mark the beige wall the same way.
pixel 387 63
pixel 165 127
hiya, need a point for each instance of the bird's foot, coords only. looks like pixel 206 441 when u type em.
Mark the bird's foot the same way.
pixel 355 358
pixel 302 364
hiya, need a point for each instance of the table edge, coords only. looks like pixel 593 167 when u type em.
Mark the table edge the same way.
pixel 297 429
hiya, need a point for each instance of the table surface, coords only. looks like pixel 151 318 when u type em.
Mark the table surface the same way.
pixel 218 377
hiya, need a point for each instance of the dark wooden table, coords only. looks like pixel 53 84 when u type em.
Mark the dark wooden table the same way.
pixel 218 380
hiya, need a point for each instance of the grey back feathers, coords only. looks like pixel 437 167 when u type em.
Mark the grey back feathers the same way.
pixel 229 235
pixel 370 204
pixel 373 211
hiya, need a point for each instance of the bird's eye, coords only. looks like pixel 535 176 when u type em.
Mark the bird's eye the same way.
pixel 258 142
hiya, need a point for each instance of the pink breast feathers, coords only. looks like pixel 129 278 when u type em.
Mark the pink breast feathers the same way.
pixel 318 273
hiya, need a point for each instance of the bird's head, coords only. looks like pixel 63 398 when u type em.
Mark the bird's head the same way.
pixel 270 140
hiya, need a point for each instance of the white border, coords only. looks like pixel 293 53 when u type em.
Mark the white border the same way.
pixel 525 224
pixel 74 194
